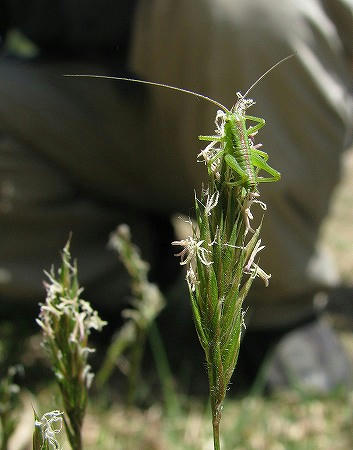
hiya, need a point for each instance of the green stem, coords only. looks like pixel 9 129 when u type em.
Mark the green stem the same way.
pixel 73 429
pixel 216 443
pixel 217 386
pixel 78 437
pixel 216 406
pixel 3 437
pixel 217 395
pixel 116 348
pixel 136 360
pixel 164 372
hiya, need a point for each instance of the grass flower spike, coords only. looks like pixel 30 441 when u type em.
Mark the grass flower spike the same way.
pixel 221 255
pixel 66 321
pixel 146 304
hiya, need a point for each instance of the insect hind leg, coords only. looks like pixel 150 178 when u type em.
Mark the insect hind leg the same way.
pixel 260 163
pixel 233 164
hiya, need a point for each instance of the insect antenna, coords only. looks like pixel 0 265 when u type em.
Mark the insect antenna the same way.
pixel 152 83
pixel 264 74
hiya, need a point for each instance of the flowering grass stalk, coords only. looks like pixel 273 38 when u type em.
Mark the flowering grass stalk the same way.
pixel 146 304
pixel 221 261
pixel 66 322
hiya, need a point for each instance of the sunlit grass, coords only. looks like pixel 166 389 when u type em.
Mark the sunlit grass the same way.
pixel 285 421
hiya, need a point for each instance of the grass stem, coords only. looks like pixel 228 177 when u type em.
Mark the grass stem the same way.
pixel 216 442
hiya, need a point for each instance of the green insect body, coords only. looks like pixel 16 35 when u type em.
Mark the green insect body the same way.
pixel 234 139
pixel 237 148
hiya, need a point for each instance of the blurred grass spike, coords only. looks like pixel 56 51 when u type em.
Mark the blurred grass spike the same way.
pixel 146 304
pixel 66 321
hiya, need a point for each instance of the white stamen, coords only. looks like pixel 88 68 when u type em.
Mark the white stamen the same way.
pixel 249 200
pixel 254 269
pixel 192 249
pixel 257 271
pixel 51 424
pixel 258 247
pixel 191 279
pixel 211 202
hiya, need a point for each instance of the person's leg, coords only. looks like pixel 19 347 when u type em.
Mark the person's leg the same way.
pixel 219 47
pixel 66 165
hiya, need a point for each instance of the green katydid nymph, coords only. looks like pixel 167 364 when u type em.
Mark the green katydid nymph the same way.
pixel 237 147
pixel 233 145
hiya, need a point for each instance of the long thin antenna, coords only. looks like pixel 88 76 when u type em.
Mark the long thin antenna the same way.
pixel 186 91
pixel 267 71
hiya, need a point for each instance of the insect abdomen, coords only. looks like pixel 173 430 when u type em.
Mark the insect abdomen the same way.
pixel 237 145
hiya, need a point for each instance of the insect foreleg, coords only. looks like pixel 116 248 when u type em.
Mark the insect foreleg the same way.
pixel 260 123
pixel 210 138
pixel 259 162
